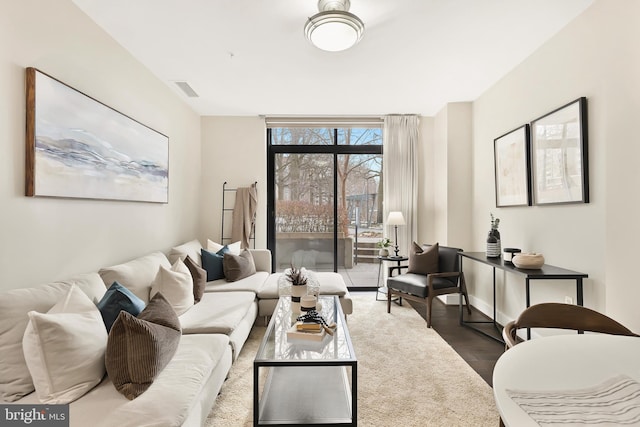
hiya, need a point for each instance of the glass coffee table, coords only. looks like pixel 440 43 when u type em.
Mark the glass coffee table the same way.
pixel 307 382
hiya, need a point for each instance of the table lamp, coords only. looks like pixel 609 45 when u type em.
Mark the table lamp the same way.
pixel 395 218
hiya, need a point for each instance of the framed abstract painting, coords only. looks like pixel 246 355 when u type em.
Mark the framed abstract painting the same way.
pixel 78 147
pixel 511 156
pixel 560 166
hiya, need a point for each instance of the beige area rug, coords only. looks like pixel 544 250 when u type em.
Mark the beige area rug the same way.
pixel 407 374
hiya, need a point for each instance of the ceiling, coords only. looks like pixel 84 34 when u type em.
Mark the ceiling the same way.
pixel 250 57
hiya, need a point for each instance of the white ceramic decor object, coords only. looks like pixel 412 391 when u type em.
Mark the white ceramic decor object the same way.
pixel 529 261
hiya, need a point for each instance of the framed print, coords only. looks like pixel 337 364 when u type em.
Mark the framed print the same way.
pixel 559 155
pixel 511 156
pixel 78 147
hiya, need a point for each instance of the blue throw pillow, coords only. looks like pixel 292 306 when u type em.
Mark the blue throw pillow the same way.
pixel 116 299
pixel 212 262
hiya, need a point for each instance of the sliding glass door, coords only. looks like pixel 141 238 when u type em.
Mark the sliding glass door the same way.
pixel 304 211
pixel 325 200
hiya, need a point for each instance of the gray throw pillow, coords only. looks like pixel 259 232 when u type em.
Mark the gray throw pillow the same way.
pixel 199 276
pixel 138 349
pixel 423 261
pixel 238 267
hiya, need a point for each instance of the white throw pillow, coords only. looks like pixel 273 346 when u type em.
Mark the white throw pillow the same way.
pixel 234 248
pixel 64 348
pixel 176 285
pixel 137 274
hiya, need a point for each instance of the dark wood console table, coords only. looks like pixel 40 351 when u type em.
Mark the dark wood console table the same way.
pixel 547 272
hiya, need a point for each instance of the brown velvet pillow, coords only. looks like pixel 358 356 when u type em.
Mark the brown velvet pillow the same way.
pixel 423 261
pixel 238 267
pixel 138 349
pixel 199 276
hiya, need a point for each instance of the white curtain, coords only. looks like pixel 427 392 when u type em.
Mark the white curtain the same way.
pixel 400 176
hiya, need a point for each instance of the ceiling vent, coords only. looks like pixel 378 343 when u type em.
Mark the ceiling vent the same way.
pixel 188 90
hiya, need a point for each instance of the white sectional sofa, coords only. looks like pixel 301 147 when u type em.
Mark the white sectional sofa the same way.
pixel 213 333
pixel 263 283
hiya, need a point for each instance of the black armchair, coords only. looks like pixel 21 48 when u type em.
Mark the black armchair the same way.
pixel 423 288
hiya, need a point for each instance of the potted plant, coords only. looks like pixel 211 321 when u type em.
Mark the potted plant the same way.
pixel 298 279
pixel 384 244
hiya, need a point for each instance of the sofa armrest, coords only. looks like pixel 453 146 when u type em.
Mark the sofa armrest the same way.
pixel 262 259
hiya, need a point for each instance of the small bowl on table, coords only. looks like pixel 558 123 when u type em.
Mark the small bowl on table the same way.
pixel 528 261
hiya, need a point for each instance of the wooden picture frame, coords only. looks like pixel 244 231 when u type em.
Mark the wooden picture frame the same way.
pixel 512 170
pixel 78 147
pixel 560 165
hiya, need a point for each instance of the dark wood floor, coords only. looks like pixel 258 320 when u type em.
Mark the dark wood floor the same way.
pixel 479 351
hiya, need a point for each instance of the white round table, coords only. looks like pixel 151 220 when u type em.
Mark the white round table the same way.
pixel 561 362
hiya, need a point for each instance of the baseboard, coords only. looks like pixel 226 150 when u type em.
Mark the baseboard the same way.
pixel 449 299
pixel 487 310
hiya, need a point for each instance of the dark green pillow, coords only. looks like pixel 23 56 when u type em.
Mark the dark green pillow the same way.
pixel 116 299
pixel 212 263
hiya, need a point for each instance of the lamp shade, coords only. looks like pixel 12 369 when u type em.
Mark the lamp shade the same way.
pixel 395 218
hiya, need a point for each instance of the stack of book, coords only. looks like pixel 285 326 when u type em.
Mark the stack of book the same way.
pixel 306 331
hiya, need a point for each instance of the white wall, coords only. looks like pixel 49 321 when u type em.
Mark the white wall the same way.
pixel 426 187
pixel 440 178
pixel 44 239
pixel 234 149
pixel 451 175
pixel 596 56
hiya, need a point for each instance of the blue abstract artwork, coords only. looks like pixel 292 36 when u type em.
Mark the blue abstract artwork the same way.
pixel 82 148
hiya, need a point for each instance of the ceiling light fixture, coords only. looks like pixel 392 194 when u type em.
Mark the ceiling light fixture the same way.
pixel 334 29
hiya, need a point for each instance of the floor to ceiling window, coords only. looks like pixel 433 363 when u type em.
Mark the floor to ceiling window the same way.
pixel 325 196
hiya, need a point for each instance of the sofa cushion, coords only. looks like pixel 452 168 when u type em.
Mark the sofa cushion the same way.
pixel 251 283
pixel 179 396
pixel 423 261
pixel 233 248
pixel 238 267
pixel 64 348
pixel 212 263
pixel 91 284
pixel 116 299
pixel 136 275
pixel 15 380
pixel 199 276
pixel 139 348
pixel 191 249
pixel 330 284
pixel 176 285
pixel 217 313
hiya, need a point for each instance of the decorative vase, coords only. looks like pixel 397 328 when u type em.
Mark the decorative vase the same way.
pixel 383 252
pixel 297 292
pixel 493 244
pixel 298 283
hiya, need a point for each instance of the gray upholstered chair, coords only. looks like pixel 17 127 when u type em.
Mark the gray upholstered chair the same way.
pixel 562 316
pixel 448 279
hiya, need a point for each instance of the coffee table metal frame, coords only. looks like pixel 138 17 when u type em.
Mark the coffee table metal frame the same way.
pixel 307 382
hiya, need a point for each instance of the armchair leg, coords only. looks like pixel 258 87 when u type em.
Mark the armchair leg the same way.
pixel 429 301
pixel 388 300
